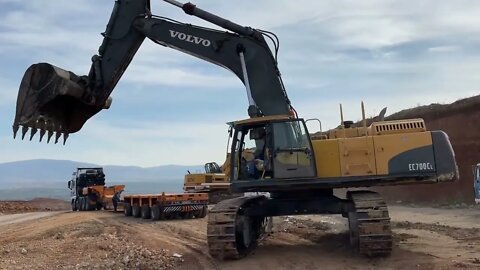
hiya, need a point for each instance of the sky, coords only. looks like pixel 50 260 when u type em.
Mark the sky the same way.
pixel 171 108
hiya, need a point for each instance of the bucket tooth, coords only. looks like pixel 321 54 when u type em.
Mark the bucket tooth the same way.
pixel 24 131
pixel 49 135
pixel 65 137
pixel 33 131
pixel 42 133
pixel 15 130
pixel 57 136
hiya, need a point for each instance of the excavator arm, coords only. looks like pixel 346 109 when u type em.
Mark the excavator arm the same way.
pixel 52 100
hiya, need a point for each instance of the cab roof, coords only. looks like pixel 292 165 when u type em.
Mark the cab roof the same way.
pixel 259 120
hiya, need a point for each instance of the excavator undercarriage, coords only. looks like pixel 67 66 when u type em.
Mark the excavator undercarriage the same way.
pixel 235 226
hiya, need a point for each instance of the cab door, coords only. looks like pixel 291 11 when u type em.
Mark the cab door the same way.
pixel 292 153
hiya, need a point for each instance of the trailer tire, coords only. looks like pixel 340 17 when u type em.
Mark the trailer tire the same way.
pixel 145 212
pixel 80 204
pixel 99 206
pixel 74 205
pixel 127 211
pixel 155 212
pixel 136 211
pixel 86 204
pixel 203 212
pixel 188 215
pixel 77 204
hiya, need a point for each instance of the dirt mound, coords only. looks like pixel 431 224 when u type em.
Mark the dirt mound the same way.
pixel 87 245
pixel 35 205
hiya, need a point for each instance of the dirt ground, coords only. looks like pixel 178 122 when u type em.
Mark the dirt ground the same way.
pixel 35 205
pixel 424 238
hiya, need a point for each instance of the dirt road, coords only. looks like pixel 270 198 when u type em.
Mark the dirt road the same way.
pixel 425 238
pixel 19 218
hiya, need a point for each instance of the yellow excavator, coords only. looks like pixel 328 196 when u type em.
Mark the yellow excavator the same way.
pixel 215 181
pixel 298 172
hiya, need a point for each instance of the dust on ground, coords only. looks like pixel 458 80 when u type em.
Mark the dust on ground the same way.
pixel 424 238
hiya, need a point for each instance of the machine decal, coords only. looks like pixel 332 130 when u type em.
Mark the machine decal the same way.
pixel 415 160
pixel 425 166
pixel 190 38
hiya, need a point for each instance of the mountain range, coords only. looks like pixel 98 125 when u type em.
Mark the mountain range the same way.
pixel 44 177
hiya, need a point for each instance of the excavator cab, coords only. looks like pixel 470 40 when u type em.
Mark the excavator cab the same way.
pixel 271 147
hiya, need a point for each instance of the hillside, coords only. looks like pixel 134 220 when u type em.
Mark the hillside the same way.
pixel 30 173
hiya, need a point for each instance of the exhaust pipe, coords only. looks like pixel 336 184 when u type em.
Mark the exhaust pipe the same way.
pixel 52 100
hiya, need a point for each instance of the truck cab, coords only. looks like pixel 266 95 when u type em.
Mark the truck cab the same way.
pixel 72 185
pixel 80 185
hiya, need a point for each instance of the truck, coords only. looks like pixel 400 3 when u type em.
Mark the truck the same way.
pixel 298 172
pixel 88 190
pixel 166 206
pixel 476 182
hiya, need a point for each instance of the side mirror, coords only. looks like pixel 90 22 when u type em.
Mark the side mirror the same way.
pixel 69 184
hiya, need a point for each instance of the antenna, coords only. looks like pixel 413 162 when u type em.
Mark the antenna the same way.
pixel 363 118
pixel 341 121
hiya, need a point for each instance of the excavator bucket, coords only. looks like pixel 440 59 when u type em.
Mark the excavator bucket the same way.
pixel 52 101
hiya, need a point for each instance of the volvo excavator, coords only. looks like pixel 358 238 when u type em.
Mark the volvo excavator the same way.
pixel 298 172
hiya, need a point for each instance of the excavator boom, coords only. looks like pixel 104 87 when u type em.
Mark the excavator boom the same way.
pixel 52 100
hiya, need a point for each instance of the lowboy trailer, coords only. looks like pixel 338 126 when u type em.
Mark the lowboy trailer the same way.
pixel 166 206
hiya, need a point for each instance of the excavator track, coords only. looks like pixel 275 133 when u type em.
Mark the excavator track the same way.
pixel 226 223
pixel 369 224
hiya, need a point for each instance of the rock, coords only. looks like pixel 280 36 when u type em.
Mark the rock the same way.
pixel 23 251
pixel 176 255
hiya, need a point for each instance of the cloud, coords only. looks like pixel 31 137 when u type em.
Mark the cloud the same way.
pixel 170 107
pixel 443 49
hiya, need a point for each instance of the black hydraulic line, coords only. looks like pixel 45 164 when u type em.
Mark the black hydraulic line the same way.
pixel 191 9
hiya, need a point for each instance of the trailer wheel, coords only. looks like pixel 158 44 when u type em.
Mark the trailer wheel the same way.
pixel 80 204
pixel 74 205
pixel 155 212
pixel 77 204
pixel 86 204
pixel 136 210
pixel 99 206
pixel 127 210
pixel 145 212
pixel 203 212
